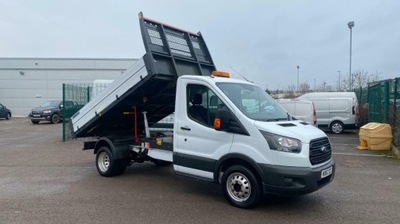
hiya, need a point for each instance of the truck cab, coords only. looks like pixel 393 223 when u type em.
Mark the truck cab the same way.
pixel 256 149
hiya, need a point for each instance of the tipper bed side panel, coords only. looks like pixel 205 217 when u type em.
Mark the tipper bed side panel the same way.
pixel 149 85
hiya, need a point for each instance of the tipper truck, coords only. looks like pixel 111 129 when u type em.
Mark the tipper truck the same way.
pixel 225 130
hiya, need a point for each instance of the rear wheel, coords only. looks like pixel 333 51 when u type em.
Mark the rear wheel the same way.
pixel 106 165
pixel 8 115
pixel 241 187
pixel 121 168
pixel 337 127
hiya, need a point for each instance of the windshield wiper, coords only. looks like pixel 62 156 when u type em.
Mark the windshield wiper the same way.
pixel 290 117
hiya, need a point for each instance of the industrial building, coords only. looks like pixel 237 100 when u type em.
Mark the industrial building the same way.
pixel 28 82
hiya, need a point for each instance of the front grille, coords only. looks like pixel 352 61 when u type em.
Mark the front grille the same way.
pixel 320 151
pixel 37 112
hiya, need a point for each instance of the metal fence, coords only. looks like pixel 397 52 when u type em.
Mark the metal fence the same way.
pixel 363 109
pixel 380 102
pixel 79 94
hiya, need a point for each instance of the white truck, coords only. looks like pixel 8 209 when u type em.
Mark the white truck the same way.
pixel 225 130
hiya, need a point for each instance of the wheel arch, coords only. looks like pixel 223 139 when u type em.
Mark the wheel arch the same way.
pixel 103 142
pixel 119 151
pixel 56 112
pixel 335 120
pixel 238 159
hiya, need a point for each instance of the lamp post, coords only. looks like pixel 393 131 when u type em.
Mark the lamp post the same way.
pixel 350 25
pixel 339 81
pixel 298 67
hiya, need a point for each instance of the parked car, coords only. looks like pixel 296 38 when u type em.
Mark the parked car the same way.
pixel 4 112
pixel 49 111
pixel 335 110
pixel 300 109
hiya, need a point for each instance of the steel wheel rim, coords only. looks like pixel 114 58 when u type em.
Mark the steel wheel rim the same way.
pixel 103 162
pixel 337 128
pixel 238 187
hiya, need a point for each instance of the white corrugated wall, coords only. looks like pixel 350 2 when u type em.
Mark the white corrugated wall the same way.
pixel 27 82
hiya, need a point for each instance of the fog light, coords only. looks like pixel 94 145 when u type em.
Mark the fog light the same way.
pixel 288 181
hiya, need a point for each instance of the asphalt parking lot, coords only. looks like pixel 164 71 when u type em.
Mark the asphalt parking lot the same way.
pixel 43 180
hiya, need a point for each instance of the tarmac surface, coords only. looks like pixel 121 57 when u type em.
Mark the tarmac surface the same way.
pixel 43 180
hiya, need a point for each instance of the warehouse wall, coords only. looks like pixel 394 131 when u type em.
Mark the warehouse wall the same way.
pixel 28 82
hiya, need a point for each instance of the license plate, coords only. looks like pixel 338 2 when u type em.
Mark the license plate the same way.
pixel 326 172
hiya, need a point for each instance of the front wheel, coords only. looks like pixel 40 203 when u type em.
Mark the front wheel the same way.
pixel 106 165
pixel 55 118
pixel 8 115
pixel 241 187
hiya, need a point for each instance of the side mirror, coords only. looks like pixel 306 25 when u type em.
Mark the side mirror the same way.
pixel 226 121
pixel 222 119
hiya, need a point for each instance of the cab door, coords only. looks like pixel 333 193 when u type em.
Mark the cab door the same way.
pixel 197 145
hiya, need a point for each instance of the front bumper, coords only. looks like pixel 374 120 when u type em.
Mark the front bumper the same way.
pixel 43 117
pixel 282 180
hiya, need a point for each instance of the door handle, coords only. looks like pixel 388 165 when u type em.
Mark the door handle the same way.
pixel 185 128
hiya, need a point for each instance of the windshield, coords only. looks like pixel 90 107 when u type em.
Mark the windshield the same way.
pixel 253 102
pixel 51 104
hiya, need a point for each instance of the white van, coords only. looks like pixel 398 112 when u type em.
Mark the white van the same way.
pixel 335 110
pixel 300 109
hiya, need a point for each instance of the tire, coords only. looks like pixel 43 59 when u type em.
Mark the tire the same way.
pixel 8 115
pixel 55 118
pixel 121 168
pixel 241 187
pixel 35 122
pixel 161 163
pixel 106 165
pixel 337 127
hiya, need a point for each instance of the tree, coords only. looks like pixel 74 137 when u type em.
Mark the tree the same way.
pixel 304 88
pixel 361 78
pixel 323 87
pixel 290 93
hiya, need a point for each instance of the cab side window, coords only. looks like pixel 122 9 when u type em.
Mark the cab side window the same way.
pixel 202 104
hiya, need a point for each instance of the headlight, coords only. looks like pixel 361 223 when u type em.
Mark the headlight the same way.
pixel 282 143
pixel 47 111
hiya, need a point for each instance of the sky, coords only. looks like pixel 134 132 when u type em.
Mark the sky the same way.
pixel 262 40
